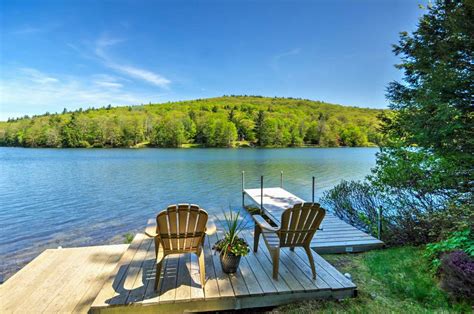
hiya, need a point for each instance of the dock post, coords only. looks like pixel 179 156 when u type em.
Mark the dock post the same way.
pixel 313 191
pixel 379 224
pixel 261 193
pixel 281 179
pixel 243 188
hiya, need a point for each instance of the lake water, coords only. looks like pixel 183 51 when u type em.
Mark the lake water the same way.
pixel 77 197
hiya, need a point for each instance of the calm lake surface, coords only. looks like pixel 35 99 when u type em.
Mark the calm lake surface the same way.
pixel 78 197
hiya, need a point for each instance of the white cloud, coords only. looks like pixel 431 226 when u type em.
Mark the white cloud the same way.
pixel 38 76
pixel 108 81
pixel 146 75
pixel 36 92
pixel 108 84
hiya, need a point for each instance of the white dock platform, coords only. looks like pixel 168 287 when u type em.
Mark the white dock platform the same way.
pixel 336 235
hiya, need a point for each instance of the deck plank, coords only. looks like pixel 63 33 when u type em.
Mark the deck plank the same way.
pixel 114 286
pixel 30 277
pixel 96 282
pixel 197 290
pixel 141 263
pixel 59 280
pixel 284 273
pixel 244 272
pixel 237 281
pixel 91 265
pixel 211 288
pixel 183 284
pixel 53 283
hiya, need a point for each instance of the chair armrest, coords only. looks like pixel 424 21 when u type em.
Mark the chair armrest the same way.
pixel 211 228
pixel 150 229
pixel 262 223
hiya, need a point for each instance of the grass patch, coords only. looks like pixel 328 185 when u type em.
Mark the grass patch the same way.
pixel 392 280
pixel 128 237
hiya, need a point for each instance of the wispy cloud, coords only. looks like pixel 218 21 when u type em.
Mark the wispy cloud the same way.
pixel 138 73
pixel 34 92
pixel 30 30
pixel 276 59
pixel 38 76
pixel 108 81
pixel 291 52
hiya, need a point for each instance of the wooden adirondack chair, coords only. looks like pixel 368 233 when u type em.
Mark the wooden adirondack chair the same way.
pixel 298 226
pixel 180 229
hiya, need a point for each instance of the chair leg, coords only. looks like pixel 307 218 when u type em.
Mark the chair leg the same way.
pixel 276 262
pixel 311 260
pixel 202 268
pixel 159 264
pixel 256 237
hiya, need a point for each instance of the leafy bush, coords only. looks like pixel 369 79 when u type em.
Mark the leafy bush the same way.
pixel 457 275
pixel 356 203
pixel 461 240
pixel 409 216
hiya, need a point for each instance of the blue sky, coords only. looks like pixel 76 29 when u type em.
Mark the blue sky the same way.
pixel 56 54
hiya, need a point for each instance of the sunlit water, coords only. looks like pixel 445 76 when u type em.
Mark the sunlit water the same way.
pixel 77 197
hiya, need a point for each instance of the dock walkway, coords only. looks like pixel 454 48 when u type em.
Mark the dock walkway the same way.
pixel 336 235
pixel 60 280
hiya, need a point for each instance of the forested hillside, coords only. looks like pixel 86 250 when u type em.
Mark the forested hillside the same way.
pixel 216 122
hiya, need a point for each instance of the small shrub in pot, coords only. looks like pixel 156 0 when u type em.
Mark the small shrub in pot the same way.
pixel 231 248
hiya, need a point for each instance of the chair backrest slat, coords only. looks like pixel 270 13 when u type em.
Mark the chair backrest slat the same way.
pixel 299 223
pixel 181 227
pixel 183 215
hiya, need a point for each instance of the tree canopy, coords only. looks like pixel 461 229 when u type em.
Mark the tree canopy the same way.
pixel 432 107
pixel 215 122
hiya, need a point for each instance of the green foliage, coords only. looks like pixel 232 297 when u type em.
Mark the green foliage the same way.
pixel 460 240
pixel 355 202
pixel 433 106
pixel 393 280
pixel 128 237
pixel 168 133
pixel 353 136
pixel 214 122
pixel 232 243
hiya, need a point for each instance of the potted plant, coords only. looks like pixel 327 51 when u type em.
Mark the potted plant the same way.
pixel 231 248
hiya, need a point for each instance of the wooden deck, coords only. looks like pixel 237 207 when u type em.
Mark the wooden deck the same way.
pixel 336 235
pixel 60 280
pixel 131 289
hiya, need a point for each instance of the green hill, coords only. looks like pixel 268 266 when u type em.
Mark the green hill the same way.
pixel 215 122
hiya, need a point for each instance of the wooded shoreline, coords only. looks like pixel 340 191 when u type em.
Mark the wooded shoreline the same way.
pixel 227 121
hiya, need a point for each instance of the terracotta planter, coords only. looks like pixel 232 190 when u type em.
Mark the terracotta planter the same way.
pixel 229 263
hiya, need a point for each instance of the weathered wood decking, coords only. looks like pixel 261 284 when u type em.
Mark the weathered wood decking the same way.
pixel 180 290
pixel 336 235
pixel 60 280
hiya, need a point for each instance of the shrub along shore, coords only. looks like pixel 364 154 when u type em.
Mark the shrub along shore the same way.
pixel 215 122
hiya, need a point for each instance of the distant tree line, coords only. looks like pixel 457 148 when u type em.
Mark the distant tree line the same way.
pixel 217 122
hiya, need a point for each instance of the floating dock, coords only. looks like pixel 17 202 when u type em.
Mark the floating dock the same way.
pixel 336 235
